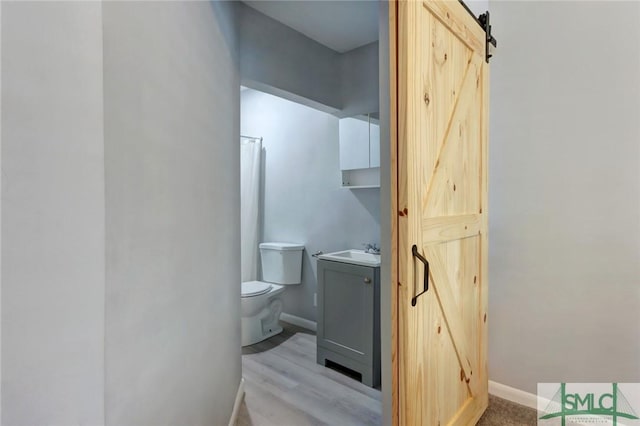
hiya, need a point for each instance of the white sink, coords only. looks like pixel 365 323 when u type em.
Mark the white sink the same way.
pixel 355 257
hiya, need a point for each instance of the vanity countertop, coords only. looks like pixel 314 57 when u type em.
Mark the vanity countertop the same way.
pixel 354 257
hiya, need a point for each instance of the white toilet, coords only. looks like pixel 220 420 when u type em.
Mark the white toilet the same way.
pixel 260 303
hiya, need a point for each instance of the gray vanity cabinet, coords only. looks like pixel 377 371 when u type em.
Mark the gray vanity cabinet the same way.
pixel 349 318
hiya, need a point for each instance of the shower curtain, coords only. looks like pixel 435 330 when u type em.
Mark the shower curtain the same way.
pixel 250 153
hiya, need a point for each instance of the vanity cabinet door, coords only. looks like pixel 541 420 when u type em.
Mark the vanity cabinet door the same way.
pixel 346 310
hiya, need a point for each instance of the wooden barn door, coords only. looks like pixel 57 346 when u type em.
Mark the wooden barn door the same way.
pixel 440 136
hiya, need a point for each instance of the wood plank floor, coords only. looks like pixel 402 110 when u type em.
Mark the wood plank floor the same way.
pixel 285 387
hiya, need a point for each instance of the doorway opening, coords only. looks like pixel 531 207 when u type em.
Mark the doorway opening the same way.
pixel 311 211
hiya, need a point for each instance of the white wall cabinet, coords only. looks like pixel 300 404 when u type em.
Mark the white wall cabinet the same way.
pixel 360 152
pixel 354 143
pixel 374 144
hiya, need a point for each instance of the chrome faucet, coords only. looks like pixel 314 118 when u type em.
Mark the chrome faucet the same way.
pixel 371 248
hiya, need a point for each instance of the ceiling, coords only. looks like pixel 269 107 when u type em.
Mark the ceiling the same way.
pixel 339 25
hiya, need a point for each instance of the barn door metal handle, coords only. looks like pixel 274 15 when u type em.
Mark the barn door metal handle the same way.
pixel 414 251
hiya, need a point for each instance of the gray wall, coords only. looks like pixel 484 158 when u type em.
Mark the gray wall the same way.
pixel 277 56
pixel 359 80
pixel 161 140
pixel 172 197
pixel 281 61
pixel 385 211
pixel 53 214
pixel 478 6
pixel 565 193
pixel 303 201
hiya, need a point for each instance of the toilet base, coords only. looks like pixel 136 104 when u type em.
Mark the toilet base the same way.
pixel 263 325
pixel 259 338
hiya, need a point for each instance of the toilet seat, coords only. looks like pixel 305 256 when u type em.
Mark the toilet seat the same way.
pixel 255 288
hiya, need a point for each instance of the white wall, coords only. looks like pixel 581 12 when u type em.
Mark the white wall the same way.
pixel 172 201
pixel 303 201
pixel 565 193
pixel 53 214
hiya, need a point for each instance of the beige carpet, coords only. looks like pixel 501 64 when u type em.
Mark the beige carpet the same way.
pixel 505 413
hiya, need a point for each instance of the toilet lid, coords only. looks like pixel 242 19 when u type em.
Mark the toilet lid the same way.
pixel 255 288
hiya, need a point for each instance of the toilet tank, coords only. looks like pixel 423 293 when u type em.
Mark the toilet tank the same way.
pixel 281 262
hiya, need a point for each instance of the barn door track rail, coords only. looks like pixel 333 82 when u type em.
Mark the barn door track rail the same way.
pixel 483 20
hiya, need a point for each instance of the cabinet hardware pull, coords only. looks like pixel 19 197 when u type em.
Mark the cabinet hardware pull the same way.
pixel 414 251
pixel 367 280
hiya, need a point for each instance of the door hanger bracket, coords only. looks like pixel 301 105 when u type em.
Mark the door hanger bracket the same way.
pixel 490 41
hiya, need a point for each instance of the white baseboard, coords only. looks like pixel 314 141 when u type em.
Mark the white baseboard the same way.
pixel 514 395
pixel 300 322
pixel 237 403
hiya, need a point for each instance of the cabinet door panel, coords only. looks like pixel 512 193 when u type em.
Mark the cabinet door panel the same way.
pixel 346 299
pixel 354 144
pixel 374 145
